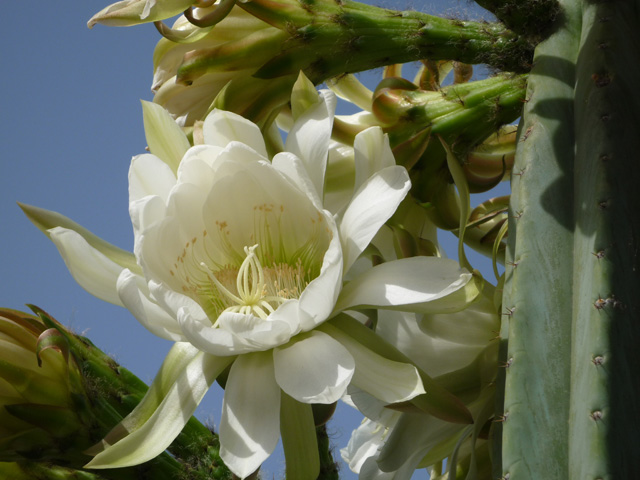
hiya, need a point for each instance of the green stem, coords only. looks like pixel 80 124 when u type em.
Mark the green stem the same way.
pixel 328 466
pixel 369 37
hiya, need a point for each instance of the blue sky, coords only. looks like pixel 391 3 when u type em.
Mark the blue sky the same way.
pixel 71 121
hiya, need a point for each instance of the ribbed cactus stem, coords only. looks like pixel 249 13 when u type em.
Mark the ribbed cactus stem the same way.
pixel 605 364
pixel 571 301
pixel 369 37
pixel 536 304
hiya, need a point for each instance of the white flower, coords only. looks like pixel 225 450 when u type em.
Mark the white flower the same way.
pixel 238 262
pixel 458 350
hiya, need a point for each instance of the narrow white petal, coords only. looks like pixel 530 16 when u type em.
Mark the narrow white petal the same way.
pixel 385 379
pixel 221 127
pixel 372 153
pixel 250 422
pixel 309 138
pixel 372 205
pixel 93 271
pixel 148 313
pixel 165 138
pixel 408 284
pixel 149 175
pixel 151 435
pixel 315 369
pixel 46 220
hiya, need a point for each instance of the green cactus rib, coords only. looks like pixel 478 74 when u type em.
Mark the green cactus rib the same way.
pixel 571 299
pixel 605 360
pixel 537 291
pixel 368 37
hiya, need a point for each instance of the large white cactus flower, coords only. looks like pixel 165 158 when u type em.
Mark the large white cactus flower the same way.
pixel 239 263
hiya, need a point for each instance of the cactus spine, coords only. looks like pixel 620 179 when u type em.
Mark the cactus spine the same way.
pixel 572 282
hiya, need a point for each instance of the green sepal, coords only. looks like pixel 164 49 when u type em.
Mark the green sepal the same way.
pixel 59 422
pixel 52 339
pixel 298 431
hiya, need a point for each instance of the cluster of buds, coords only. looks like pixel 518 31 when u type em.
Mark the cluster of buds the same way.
pixel 60 395
pixel 245 56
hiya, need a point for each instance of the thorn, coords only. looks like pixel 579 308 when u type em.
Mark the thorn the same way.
pixel 600 303
pixel 518 214
pixel 502 418
pixel 509 311
pixel 506 364
pixel 599 254
pixel 521 172
pixel 513 264
pixel 527 133
pixel 601 79
pixel 596 415
pixel 598 360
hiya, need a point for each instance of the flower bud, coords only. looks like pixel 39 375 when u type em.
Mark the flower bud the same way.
pixel 59 395
pixel 133 12
pixel 218 64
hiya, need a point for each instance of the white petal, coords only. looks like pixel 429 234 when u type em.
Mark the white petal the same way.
pixel 148 313
pixel 385 379
pixel 145 213
pixel 165 138
pixel 149 175
pixel 309 138
pixel 315 369
pixel 436 356
pixel 318 299
pixel 475 325
pixel 250 423
pixel 221 127
pixel 364 443
pixel 236 334
pixel 172 302
pixel 150 435
pixel 408 284
pixel 372 153
pixel 93 271
pixel 291 167
pixel 372 205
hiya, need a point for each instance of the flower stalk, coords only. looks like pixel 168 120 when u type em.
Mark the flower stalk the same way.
pixel 371 37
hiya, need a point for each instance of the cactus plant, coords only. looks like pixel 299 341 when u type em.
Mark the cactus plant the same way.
pixel 572 282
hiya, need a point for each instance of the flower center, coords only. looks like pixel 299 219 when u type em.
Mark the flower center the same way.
pixel 256 290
